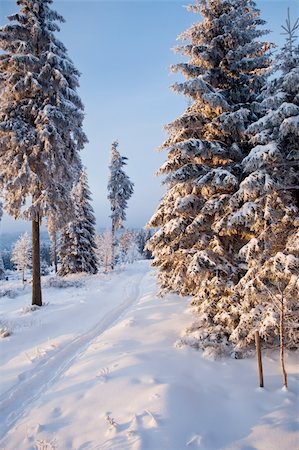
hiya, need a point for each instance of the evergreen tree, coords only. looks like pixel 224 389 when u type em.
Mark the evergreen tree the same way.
pixel 2 269
pixel 225 71
pixel 266 206
pixel 77 242
pixel 142 237
pixel 21 254
pixel 41 118
pixel 120 189
pixel 6 256
pixel 45 253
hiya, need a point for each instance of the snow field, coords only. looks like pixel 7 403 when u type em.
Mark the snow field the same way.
pixel 97 369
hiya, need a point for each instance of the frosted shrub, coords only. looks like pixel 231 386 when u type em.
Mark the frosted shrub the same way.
pixel 5 332
pixel 11 293
pixel 43 444
pixel 61 283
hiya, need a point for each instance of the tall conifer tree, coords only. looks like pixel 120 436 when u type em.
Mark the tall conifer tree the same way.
pixel 41 118
pixel 120 189
pixel 226 69
pixel 77 241
pixel 267 207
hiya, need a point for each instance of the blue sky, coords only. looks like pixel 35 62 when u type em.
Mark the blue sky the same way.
pixel 123 50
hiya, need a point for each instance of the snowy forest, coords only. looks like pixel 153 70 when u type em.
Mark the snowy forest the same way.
pixel 222 244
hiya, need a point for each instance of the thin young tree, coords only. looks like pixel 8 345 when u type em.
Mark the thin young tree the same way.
pixel 103 250
pixel 41 119
pixel 77 241
pixel 21 254
pixel 53 233
pixel 120 189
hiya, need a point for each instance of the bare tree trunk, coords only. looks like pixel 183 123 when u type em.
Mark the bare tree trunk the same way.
pixel 113 245
pixel 23 276
pixel 55 252
pixel 281 326
pixel 36 282
pixel 259 358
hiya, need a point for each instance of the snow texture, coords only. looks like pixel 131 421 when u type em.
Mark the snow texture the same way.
pixel 112 378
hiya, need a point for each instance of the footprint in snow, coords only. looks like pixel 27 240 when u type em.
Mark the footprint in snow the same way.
pixel 56 412
pixel 129 322
pixel 155 396
pixel 103 375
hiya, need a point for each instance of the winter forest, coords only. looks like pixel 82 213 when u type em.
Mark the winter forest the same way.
pixel 153 337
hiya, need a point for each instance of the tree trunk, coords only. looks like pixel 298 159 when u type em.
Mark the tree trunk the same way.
pixel 55 253
pixel 259 358
pixel 284 374
pixel 23 276
pixel 113 244
pixel 36 283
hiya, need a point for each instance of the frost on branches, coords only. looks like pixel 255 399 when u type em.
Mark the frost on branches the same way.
pixel 77 242
pixel 41 119
pixel 103 250
pixel 269 195
pixel 21 254
pixel 120 189
pixel 53 230
pixel 41 114
pixel 128 248
pixel 226 68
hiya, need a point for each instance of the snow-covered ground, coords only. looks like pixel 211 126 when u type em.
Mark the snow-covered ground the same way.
pixel 97 369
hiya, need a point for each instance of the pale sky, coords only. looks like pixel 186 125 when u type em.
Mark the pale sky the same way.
pixel 123 50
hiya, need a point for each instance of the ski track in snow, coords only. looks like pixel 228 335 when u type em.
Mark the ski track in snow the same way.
pixel 15 402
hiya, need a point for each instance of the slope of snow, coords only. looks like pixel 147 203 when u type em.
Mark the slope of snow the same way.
pixel 97 369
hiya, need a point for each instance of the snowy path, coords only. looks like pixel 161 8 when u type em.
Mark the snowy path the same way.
pixel 15 402
pixel 116 381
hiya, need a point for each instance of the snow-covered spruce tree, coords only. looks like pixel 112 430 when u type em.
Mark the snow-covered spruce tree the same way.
pixel 77 241
pixel 266 206
pixel 142 237
pixel 21 254
pixel 120 189
pixel 41 118
pixel 225 72
pixel 2 268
